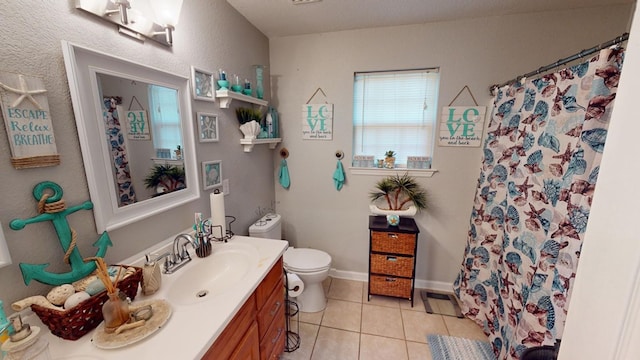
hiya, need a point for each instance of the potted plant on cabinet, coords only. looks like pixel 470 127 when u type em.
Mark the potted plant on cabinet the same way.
pixel 402 194
pixel 249 120
pixel 165 179
pixel 390 159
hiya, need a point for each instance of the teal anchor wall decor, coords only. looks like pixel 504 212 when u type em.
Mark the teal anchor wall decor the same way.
pixel 52 208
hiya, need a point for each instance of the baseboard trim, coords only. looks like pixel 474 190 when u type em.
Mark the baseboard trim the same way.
pixel 420 284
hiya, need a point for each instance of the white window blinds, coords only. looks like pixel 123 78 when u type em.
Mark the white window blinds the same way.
pixel 165 117
pixel 395 110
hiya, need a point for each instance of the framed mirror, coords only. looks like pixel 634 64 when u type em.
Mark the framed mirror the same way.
pixel 135 133
pixel 5 257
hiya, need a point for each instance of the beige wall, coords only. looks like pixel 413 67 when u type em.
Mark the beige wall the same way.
pixel 210 35
pixel 476 52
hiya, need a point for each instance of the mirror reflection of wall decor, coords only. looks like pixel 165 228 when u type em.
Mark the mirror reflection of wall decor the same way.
pixel 208 127
pixel 25 110
pixel 211 174
pixel 137 120
pixel 203 86
pixel 93 75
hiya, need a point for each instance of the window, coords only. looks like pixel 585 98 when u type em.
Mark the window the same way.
pixel 395 110
pixel 165 117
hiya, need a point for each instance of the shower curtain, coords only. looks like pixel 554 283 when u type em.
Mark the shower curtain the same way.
pixel 538 174
pixel 115 139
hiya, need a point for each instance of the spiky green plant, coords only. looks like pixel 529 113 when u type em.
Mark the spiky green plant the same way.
pixel 246 115
pixel 169 176
pixel 398 191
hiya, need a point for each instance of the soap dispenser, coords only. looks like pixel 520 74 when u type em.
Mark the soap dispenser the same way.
pixel 25 343
pixel 151 275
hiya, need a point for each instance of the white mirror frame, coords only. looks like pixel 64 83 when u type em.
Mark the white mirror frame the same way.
pixel 5 257
pixel 82 64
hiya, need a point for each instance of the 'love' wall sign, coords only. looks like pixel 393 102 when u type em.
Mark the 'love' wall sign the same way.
pixel 461 125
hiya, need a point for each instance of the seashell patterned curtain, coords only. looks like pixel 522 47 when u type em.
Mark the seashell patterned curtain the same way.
pixel 541 160
pixel 118 150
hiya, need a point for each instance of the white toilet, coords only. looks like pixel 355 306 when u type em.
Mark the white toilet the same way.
pixel 311 265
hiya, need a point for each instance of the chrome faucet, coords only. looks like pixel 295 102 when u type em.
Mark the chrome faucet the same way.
pixel 179 254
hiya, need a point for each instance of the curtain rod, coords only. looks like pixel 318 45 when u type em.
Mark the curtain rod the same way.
pixel 561 62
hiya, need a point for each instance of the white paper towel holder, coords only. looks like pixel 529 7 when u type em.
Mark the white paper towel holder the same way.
pixel 227 229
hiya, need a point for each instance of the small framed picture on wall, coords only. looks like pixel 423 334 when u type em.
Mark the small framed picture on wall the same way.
pixel 211 174
pixel 207 127
pixel 203 85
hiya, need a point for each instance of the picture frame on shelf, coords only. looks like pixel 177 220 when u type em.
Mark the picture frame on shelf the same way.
pixel 207 127
pixel 211 174
pixel 202 84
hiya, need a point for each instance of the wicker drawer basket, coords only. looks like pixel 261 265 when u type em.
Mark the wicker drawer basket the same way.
pixel 74 323
pixel 395 243
pixel 390 286
pixel 392 265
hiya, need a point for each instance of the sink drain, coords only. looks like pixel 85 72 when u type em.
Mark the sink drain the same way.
pixel 202 293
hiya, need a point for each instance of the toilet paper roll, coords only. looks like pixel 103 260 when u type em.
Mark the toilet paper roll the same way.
pixel 217 215
pixel 295 286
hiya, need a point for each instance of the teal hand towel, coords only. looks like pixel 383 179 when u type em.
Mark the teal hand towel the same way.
pixel 284 174
pixel 338 176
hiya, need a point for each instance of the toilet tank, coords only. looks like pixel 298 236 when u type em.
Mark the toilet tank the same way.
pixel 268 226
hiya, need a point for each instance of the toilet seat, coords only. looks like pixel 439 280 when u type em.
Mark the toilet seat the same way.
pixel 305 260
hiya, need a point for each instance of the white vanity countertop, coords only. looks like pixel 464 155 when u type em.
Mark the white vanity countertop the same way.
pixel 191 329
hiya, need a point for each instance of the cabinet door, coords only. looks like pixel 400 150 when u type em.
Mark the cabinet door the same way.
pixel 249 346
pixel 225 345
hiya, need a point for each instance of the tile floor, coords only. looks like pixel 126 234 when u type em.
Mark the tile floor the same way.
pixel 352 328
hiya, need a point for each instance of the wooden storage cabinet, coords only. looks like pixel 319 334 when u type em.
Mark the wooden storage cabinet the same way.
pixel 392 257
pixel 257 331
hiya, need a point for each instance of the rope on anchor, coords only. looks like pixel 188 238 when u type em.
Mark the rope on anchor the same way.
pixel 56 207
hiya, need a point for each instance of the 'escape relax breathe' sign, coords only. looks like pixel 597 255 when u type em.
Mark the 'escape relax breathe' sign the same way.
pixel 461 125
pixel 25 110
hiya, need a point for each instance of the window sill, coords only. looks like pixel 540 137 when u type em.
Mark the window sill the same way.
pixel 385 172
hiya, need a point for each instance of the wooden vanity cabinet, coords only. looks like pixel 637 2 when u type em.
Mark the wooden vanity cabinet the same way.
pixel 392 257
pixel 257 331
pixel 271 320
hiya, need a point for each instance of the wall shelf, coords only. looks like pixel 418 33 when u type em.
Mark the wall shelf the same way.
pixel 249 143
pixel 226 97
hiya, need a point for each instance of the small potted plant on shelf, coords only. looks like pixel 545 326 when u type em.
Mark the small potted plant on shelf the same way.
pixel 402 194
pixel 390 159
pixel 249 120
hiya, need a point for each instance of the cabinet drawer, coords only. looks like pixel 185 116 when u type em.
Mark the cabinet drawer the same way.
pixel 390 242
pixel 272 343
pixel 390 286
pixel 392 265
pixel 270 281
pixel 271 309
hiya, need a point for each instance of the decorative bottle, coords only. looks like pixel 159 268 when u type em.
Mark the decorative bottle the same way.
pixel 259 86
pixel 115 312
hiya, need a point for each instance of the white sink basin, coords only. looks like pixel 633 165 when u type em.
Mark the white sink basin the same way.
pixel 214 275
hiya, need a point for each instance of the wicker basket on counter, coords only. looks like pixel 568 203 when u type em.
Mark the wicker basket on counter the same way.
pixel 74 323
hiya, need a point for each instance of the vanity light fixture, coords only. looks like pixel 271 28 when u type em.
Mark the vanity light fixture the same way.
pixel 140 19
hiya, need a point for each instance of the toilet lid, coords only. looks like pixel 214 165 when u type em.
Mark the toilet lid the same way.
pixel 305 259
